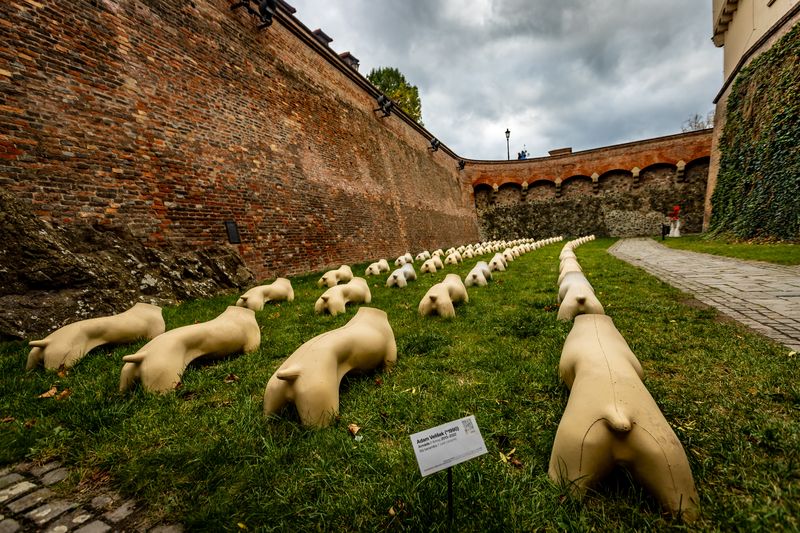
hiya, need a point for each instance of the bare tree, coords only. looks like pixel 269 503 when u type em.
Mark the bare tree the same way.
pixel 697 122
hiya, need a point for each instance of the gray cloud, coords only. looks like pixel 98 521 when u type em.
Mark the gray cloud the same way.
pixel 581 73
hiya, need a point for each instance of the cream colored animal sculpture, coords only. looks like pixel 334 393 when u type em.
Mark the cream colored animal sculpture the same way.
pixel 579 300
pixel 67 345
pixel 468 254
pixel 404 260
pixel 401 276
pixel 508 255
pixel 428 266
pixel 480 275
pixel 437 253
pixel 611 419
pixel 310 377
pixel 440 298
pixel 376 268
pixel 278 290
pixel 570 279
pixel 451 259
pixel 160 363
pixel 566 268
pixel 567 253
pixel 423 256
pixel 336 298
pixel 343 274
pixel 497 263
pixel 437 262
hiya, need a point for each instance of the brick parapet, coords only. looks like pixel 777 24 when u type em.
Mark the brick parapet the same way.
pixel 686 147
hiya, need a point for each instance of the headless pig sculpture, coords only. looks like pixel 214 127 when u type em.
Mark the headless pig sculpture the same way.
pixel 374 269
pixel 401 276
pixel 579 300
pixel 255 298
pixel 428 266
pixel 440 298
pixel 67 345
pixel 497 263
pixel 451 259
pixel 611 418
pixel 160 363
pixel 336 298
pixel 343 274
pixel 570 279
pixel 480 275
pixel 310 377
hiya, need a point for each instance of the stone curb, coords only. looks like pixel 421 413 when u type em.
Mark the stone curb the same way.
pixel 27 504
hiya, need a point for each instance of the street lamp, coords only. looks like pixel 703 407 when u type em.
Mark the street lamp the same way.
pixel 508 150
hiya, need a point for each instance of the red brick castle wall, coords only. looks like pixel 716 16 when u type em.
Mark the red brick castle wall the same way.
pixel 171 116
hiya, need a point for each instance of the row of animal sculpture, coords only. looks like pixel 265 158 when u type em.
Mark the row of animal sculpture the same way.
pixel 610 417
pixel 160 363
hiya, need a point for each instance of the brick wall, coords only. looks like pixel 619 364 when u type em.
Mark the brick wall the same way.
pixel 171 116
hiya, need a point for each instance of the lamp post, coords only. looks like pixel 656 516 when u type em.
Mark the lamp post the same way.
pixel 508 149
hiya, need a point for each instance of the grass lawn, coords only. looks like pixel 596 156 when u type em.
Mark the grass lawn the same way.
pixel 204 455
pixel 780 253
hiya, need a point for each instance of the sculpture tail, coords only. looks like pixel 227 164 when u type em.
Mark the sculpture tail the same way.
pixel 618 422
pixel 134 357
pixel 288 374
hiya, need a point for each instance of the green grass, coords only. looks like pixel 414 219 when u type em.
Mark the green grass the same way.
pixel 782 253
pixel 206 457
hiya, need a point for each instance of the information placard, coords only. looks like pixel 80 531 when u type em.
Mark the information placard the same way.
pixel 447 445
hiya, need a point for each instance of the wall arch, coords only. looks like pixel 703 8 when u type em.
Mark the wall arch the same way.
pixel 541 190
pixel 509 194
pixel 578 185
pixel 657 175
pixel 697 170
pixel 483 196
pixel 616 181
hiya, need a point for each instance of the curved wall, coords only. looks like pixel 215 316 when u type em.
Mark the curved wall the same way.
pixel 621 191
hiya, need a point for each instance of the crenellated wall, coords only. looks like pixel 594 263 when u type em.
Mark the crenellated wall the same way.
pixel 170 117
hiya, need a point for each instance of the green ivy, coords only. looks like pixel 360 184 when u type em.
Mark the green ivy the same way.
pixel 758 185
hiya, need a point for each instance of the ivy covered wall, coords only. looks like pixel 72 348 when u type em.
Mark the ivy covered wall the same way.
pixel 758 187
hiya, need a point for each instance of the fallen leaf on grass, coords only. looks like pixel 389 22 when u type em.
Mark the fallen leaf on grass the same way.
pixel 378 381
pixel 516 463
pixel 231 378
pixel 505 457
pixel 8 419
pixel 353 429
pixel 30 423
pixel 241 526
pixel 62 371
pixel 49 394
pixel 63 394
pixel 392 512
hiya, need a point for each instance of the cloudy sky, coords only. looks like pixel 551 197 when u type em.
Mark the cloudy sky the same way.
pixel 580 73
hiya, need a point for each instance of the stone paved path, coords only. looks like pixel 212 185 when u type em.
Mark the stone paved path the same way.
pixel 762 296
pixel 27 503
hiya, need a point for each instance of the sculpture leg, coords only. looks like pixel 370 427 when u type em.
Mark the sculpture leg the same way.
pixel 128 376
pixel 276 396
pixel 318 408
pixel 581 455
pixel 391 355
pixel 660 464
